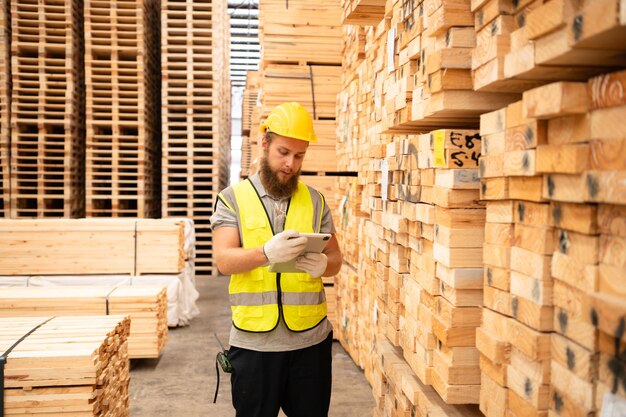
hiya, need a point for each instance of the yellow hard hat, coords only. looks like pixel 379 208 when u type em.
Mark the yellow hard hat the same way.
pixel 290 120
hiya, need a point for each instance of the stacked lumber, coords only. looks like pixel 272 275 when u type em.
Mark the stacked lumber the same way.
pixel 47 115
pixel 195 112
pixel 121 62
pixel 246 157
pixel 92 246
pixel 146 306
pixel 423 68
pixel 67 365
pixel 514 339
pixel 5 108
pixel 249 102
pixel 313 86
pixel 523 44
pixel 362 12
pixel 402 393
pixel 301 31
pixel 604 309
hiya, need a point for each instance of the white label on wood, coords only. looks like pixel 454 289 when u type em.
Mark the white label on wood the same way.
pixel 613 406
pixel 391 39
pixel 384 166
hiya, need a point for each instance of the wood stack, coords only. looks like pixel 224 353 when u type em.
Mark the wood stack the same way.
pixel 76 246
pixel 5 108
pixel 527 43
pixel 404 394
pixel 362 12
pixel 47 114
pixel 300 32
pixel 121 63
pixel 76 365
pixel 249 102
pixel 549 164
pixel 249 139
pixel 605 310
pixel 146 306
pixel 195 114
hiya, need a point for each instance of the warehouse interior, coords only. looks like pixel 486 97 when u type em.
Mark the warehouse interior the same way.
pixel 472 153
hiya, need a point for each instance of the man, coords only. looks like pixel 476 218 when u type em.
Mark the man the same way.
pixel 281 340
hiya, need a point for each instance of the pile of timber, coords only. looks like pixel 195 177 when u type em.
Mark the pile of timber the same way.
pixel 551 172
pixel 66 365
pixel 524 44
pixel 47 117
pixel 362 12
pixel 195 113
pixel 299 32
pixel 250 98
pixel 122 108
pixel 146 306
pixel 92 246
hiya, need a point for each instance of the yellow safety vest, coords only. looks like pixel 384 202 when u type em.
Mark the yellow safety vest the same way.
pixel 258 297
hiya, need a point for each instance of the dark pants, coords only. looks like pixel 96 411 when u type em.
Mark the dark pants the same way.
pixel 299 381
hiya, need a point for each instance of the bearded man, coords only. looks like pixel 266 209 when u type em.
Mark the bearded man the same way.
pixel 281 339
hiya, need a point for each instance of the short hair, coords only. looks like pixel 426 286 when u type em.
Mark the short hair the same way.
pixel 269 136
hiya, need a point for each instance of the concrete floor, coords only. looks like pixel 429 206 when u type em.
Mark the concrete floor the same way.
pixel 182 382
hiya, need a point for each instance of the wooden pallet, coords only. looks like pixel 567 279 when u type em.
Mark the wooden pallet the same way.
pixel 146 307
pixel 47 139
pixel 92 353
pixel 121 103
pixel 195 113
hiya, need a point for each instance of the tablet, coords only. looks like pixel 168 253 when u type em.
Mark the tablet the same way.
pixel 316 242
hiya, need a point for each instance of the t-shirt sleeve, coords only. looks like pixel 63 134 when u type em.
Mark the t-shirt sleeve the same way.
pixel 327 221
pixel 222 214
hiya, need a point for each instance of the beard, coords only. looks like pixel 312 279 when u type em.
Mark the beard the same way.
pixel 272 183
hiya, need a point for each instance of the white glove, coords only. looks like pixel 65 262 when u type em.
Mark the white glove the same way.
pixel 284 246
pixel 312 263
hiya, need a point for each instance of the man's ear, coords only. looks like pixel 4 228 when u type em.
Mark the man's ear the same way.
pixel 264 143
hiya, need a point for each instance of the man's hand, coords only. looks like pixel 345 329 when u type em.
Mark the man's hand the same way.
pixel 284 246
pixel 312 263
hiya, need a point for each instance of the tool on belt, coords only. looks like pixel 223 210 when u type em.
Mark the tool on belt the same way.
pixel 222 360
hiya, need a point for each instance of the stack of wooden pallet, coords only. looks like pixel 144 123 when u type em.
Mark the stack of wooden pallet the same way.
pixel 76 365
pixel 122 108
pixel 47 141
pixel 195 113
pixel 146 306
pixel 5 108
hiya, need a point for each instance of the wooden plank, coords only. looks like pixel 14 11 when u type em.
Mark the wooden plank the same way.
pixel 570 159
pixel 557 99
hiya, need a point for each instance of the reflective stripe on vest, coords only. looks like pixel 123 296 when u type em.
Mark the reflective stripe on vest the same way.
pixel 258 296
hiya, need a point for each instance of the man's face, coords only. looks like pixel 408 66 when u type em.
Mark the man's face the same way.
pixel 281 163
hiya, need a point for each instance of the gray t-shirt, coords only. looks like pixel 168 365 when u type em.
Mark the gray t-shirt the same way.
pixel 280 339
